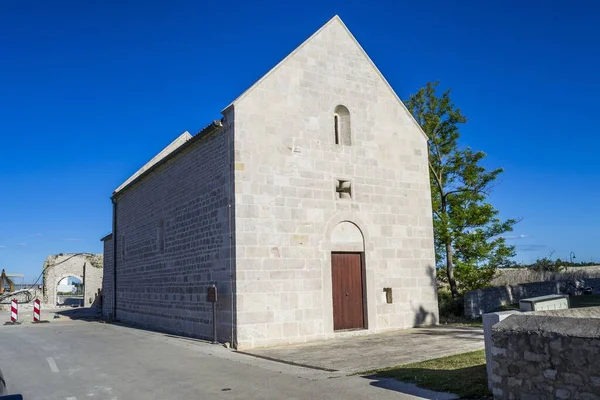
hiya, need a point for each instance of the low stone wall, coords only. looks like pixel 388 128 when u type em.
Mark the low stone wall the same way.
pixel 547 354
pixel 518 276
pixel 479 302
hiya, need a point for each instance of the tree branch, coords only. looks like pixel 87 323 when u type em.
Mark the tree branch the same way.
pixel 437 180
pixel 474 191
pixel 437 148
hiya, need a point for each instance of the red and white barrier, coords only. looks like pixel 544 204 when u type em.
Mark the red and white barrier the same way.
pixel 36 310
pixel 14 311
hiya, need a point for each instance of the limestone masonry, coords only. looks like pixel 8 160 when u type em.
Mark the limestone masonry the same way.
pixel 85 267
pixel 307 205
pixel 547 355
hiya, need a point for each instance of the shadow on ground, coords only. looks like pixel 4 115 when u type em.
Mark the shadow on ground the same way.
pixel 407 388
pixel 85 314
pixel 465 333
pixel 467 382
pixel 93 314
pixel 375 351
pixel 72 301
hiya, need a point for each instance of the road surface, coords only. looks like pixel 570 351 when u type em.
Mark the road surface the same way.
pixel 70 360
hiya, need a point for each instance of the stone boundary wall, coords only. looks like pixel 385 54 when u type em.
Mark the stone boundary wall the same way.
pixel 479 302
pixel 547 354
pixel 519 276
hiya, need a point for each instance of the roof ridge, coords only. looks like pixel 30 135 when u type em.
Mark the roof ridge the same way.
pixel 273 69
pixel 369 60
pixel 383 78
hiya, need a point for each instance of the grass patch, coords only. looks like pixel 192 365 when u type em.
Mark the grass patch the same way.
pixel 462 374
pixel 461 321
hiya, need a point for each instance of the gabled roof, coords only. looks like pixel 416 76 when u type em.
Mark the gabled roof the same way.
pixel 185 139
pixel 335 20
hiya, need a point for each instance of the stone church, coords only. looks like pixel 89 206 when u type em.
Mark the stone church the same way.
pixel 307 204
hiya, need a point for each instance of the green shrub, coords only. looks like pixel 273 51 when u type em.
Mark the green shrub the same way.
pixel 449 306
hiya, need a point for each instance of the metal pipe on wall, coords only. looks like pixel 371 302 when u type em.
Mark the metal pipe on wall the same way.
pixel 114 239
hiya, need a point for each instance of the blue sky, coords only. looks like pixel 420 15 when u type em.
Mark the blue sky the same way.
pixel 91 90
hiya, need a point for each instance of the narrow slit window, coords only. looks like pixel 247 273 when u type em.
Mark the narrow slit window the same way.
pixel 336 127
pixel 341 122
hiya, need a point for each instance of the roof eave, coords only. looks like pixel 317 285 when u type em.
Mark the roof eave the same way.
pixel 205 132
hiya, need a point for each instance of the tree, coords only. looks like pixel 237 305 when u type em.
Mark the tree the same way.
pixel 546 264
pixel 558 262
pixel 469 240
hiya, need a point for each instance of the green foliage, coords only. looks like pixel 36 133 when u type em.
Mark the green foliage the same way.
pixel 469 277
pixel 448 305
pixel 468 230
pixel 547 265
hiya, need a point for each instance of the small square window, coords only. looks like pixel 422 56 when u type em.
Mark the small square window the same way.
pixel 343 189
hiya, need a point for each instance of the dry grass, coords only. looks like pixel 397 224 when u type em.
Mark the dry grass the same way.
pixel 515 276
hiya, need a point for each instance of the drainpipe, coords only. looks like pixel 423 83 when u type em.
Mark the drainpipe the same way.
pixel 232 339
pixel 83 281
pixel 114 239
pixel 231 210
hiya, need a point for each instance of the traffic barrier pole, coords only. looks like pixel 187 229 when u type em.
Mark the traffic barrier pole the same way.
pixel 36 310
pixel 14 310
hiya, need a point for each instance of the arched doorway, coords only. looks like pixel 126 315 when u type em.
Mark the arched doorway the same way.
pixel 348 277
pixel 69 291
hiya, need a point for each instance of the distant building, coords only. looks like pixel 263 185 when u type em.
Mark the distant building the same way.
pixel 308 205
pixel 64 286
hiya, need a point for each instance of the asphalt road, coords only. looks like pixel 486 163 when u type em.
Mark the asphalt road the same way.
pixel 70 360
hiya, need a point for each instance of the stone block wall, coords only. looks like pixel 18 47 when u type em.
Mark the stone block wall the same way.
pixel 173 241
pixel 543 355
pixel 479 302
pixel 286 169
pixel 93 275
pixel 107 278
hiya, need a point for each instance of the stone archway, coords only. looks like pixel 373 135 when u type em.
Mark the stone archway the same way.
pixel 340 234
pixel 348 277
pixel 85 267
pixel 347 236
